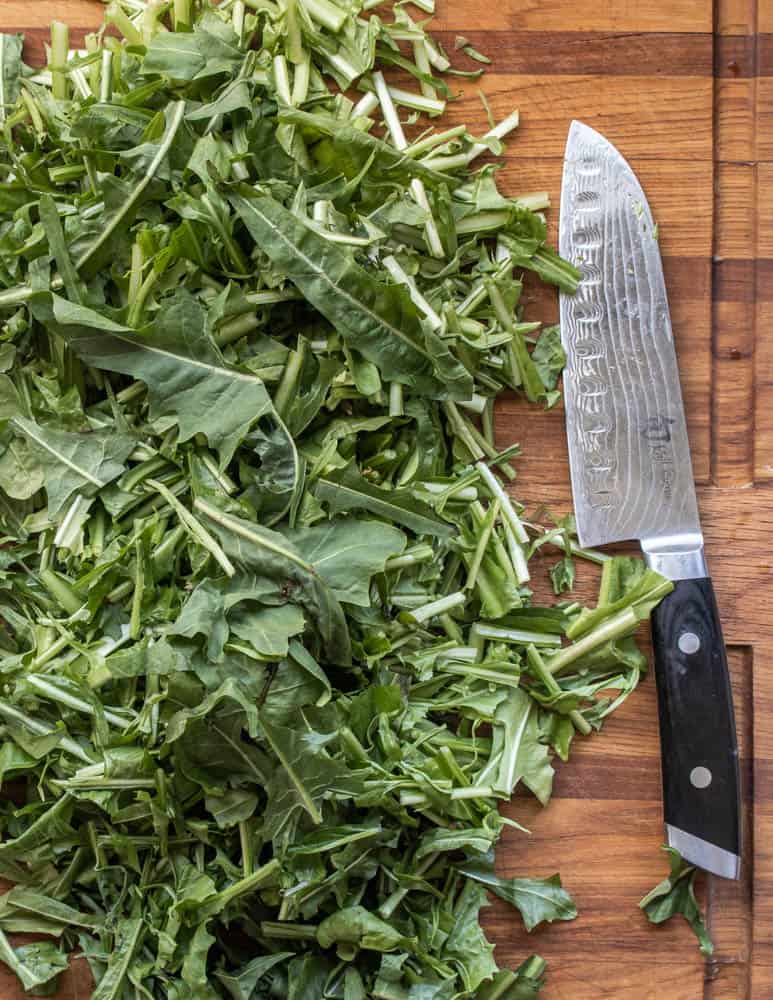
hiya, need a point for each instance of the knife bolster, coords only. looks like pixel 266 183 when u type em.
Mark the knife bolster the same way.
pixel 679 557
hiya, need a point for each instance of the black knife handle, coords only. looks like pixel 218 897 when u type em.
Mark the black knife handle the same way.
pixel 701 789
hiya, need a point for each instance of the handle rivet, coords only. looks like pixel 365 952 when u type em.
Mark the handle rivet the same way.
pixel 700 777
pixel 689 643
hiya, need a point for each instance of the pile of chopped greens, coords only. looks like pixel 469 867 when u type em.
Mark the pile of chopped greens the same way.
pixel 270 659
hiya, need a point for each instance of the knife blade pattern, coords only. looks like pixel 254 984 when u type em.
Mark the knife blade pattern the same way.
pixel 630 460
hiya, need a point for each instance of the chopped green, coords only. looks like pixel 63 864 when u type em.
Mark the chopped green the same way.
pixel 270 661
pixel 675 895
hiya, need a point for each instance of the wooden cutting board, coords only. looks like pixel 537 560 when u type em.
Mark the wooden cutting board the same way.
pixel 685 89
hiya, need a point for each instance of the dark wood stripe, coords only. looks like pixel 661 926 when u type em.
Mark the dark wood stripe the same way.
pixel 589 52
pixel 734 280
pixel 546 53
pixel 735 56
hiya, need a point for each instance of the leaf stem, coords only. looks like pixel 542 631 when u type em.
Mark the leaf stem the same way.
pixel 552 686
pixel 175 120
pixel 434 608
pixel 619 625
pixel 60 47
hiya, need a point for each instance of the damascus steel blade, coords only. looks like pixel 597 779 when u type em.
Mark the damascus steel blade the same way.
pixel 628 447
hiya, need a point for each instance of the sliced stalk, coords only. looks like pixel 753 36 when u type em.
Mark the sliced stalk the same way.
pixel 400 276
pixel 244 887
pixel 116 16
pixel 182 14
pixel 282 79
pixel 236 328
pixel 50 691
pixel 178 113
pixel 484 536
pixel 421 59
pixel 395 129
pixel 498 633
pixel 293 28
pixel 417 149
pixel 517 555
pixel 508 511
pixel 269 298
pixel 135 620
pixel 392 901
pixel 43 729
pixel 237 19
pixel 396 408
pixel 552 686
pixel 61 590
pixel 60 47
pixel 301 79
pixel 288 931
pixel 418 102
pixel 411 557
pixel 67 531
pixel 326 13
pixel 446 163
pixel 195 528
pixel 434 608
pixel 619 625
pixel 366 104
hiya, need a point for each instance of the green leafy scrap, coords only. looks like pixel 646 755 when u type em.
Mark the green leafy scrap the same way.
pixel 271 657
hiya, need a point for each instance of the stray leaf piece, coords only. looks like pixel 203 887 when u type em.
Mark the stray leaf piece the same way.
pixel 676 895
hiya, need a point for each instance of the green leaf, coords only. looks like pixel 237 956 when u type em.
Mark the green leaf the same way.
pixel 268 629
pixel 467 943
pixel 336 145
pixel 209 50
pixel 549 356
pixel 357 926
pixel 538 900
pixel 562 575
pixel 29 901
pixel 75 463
pixel 346 553
pixel 676 895
pixel 183 369
pixel 204 614
pixel 111 984
pixel 306 777
pixel 194 970
pixel 36 965
pixel 21 474
pixel 241 984
pixel 523 756
pixel 345 490
pixel 271 555
pixel 379 320
pixel 10 70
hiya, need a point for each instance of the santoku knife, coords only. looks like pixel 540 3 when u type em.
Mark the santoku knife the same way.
pixel 632 479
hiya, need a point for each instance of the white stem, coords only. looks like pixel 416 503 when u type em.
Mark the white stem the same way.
pixel 439 607
pixel 365 105
pixel 421 59
pixel 419 102
pixel 462 159
pixel 393 124
pixel 517 556
pixel 508 511
pixel 282 79
pixel 419 301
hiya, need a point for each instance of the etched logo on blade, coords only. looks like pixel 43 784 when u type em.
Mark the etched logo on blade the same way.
pixel 657 433
pixel 588 365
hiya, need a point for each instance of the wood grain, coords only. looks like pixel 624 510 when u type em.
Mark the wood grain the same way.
pixel 685 89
